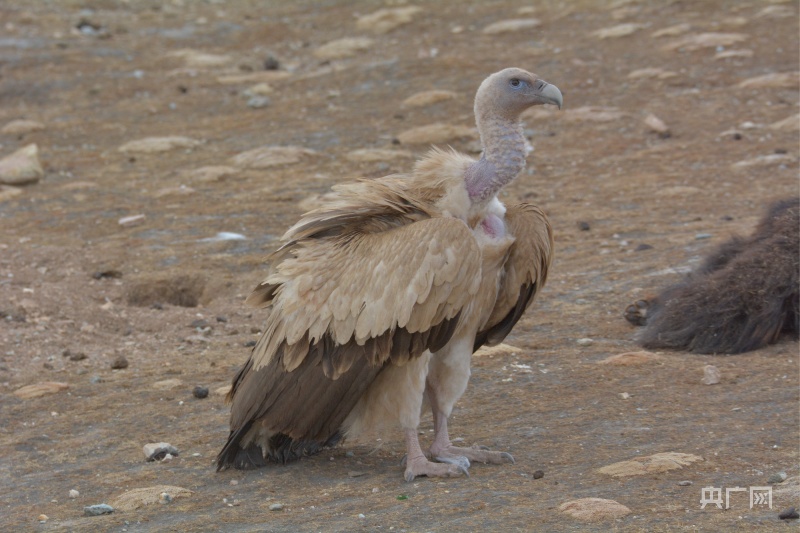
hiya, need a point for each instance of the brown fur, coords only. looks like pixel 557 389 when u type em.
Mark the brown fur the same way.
pixel 742 297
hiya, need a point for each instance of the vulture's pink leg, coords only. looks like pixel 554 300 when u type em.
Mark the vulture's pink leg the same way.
pixel 443 450
pixel 418 465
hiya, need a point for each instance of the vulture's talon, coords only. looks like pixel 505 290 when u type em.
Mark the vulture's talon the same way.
pixel 506 455
pixel 458 460
pixel 404 460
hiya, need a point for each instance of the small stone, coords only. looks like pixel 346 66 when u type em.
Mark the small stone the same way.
pixel 789 514
pixel 198 323
pixel 585 341
pixel 276 507
pixel 222 391
pixel 43 518
pixel 594 509
pixel 153 145
pixel 157 451
pixel 774 479
pixel 258 102
pixel 40 389
pixel 356 473
pixel 21 167
pixel 539 474
pixel 167 384
pixel 200 392
pixel 657 125
pixel 21 127
pixel 195 59
pixel 271 63
pixel 234 482
pixel 684 483
pixel 119 363
pixel 385 20
pixel 361 516
pixel 620 30
pixel 642 247
pixel 584 226
pixel 97 510
pixel 342 48
pixel 702 236
pixel 132 220
pixel 511 25
pixel 164 498
pixel 74 493
pixel 711 375
pixel 222 318
pixel 624 395
pixel 777 80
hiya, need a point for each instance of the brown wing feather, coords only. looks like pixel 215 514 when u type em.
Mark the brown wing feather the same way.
pixel 525 271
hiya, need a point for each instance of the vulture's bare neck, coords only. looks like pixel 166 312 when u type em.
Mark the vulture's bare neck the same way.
pixel 503 157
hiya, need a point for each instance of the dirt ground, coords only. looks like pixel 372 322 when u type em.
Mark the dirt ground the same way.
pixel 166 291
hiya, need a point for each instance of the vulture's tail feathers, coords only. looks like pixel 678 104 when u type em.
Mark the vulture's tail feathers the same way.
pixel 233 455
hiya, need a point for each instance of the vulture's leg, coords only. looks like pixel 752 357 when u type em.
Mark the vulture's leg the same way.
pixel 418 465
pixel 448 374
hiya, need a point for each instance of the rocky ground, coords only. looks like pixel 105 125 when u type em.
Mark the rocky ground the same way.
pixel 176 141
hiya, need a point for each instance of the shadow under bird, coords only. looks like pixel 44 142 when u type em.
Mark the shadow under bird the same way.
pixel 378 298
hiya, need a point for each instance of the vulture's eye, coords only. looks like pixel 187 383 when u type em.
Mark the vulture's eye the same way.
pixel 515 82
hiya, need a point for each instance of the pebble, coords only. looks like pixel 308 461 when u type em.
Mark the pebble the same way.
pixel 167 384
pixel 132 220
pixel 657 125
pixel 701 236
pixel 74 493
pixel 789 514
pixel 154 145
pixel 97 510
pixel 539 474
pixel 711 375
pixel 21 127
pixel 271 63
pixel 164 498
pixel 276 507
pixel 620 30
pixel 777 80
pixel 642 247
pixel 258 102
pixel 774 479
pixel 119 363
pixel 21 167
pixel 594 509
pixel 361 515
pixel 505 26
pixel 40 389
pixel 7 192
pixel 43 518
pixel 684 483
pixel 194 59
pixel 585 341
pixel 584 226
pixel 200 392
pixel 385 20
pixel 342 48
pixel 95 379
pixel 157 451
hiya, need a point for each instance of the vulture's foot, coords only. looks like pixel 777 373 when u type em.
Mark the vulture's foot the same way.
pixel 420 466
pixel 636 313
pixel 480 454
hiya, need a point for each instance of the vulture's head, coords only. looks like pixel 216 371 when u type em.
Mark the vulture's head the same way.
pixel 511 91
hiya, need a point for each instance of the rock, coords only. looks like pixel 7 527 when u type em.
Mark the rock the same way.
pixel 711 375
pixel 385 20
pixel 342 48
pixel 501 349
pixel 651 464
pixel 684 483
pixel 539 474
pixel 138 498
pixel 727 54
pixel 258 102
pixel 657 125
pixel 690 43
pixel 97 510
pixel 271 156
pixel 200 392
pixel 194 59
pixel 672 31
pixel 652 72
pixel 225 236
pixel 583 225
pixel 774 479
pixel 630 359
pixel 356 473
pixel 585 341
pixel 210 173
pixel 775 80
pixel 119 363
pixel 43 518
pixel 8 192
pixel 594 114
pixel 21 127
pixel 764 161
pixel 788 124
pixel 21 167
pixel 594 509
pixel 505 26
pixel 153 145
pixel 132 220
pixel 276 507
pixel 371 155
pixel 789 514
pixel 156 451
pixel 262 89
pixel 620 30
pixel 436 133
pixel 426 98
pixel 222 391
pixel 167 384
pixel 40 389
pixel 74 493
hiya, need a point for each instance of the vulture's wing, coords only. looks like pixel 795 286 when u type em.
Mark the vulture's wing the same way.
pixel 525 271
pixel 339 310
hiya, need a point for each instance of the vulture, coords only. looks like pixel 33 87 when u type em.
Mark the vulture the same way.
pixel 377 300
pixel 742 297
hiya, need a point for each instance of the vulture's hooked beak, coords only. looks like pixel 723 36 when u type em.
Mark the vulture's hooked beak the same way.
pixel 549 93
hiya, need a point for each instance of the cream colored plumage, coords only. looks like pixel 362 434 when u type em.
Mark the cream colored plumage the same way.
pixel 379 297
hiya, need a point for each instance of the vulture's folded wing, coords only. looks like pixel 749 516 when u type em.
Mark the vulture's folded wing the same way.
pixel 525 271
pixel 386 291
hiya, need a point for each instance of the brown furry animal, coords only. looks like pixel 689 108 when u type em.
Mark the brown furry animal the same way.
pixel 741 298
